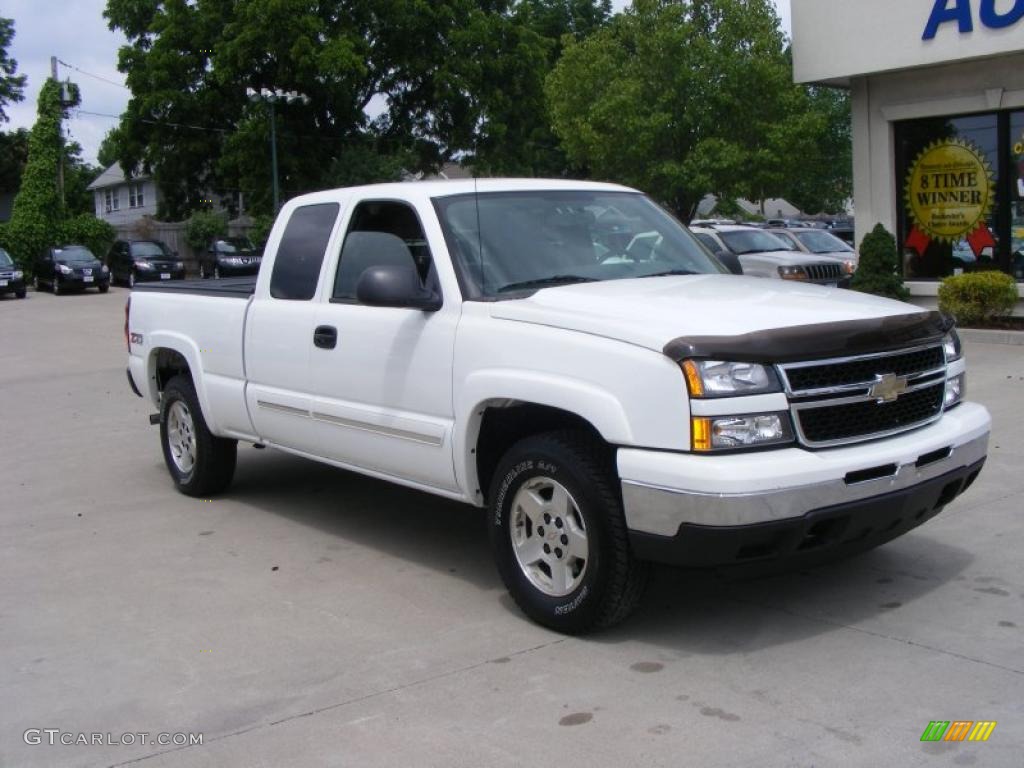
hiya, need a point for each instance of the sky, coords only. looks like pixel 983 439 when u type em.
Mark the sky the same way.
pixel 76 33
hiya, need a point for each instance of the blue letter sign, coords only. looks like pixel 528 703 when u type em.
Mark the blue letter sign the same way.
pixel 942 14
pixel 961 14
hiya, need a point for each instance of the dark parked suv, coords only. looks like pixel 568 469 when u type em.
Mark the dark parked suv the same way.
pixel 136 261
pixel 12 279
pixel 63 267
pixel 230 256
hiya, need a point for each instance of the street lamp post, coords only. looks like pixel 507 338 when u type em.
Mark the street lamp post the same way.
pixel 270 98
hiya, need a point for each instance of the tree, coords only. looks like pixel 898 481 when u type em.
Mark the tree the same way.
pixel 444 79
pixel 13 155
pixel 685 98
pixel 12 86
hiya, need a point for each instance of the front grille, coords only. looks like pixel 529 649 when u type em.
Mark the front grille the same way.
pixel 864 370
pixel 824 271
pixel 849 421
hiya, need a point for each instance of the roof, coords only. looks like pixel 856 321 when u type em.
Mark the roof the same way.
pixel 431 189
pixel 113 176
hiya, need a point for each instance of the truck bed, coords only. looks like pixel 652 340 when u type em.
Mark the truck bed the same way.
pixel 225 287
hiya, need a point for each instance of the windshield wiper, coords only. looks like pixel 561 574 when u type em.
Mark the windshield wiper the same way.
pixel 672 272
pixel 544 282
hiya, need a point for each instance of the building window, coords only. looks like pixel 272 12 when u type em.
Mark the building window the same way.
pixel 111 200
pixel 135 197
pixel 961 194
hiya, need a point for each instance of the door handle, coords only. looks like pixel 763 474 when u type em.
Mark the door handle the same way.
pixel 325 337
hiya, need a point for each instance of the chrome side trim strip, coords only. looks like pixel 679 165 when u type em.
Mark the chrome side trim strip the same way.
pixel 290 410
pixel 401 434
pixel 660 511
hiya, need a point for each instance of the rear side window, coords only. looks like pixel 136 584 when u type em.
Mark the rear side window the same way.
pixel 301 252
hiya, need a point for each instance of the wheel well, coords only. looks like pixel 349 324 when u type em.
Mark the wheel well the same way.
pixel 506 424
pixel 169 363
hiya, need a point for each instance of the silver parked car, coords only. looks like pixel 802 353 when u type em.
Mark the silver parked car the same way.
pixel 755 252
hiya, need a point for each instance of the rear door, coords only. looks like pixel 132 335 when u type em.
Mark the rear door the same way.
pixel 382 394
pixel 279 333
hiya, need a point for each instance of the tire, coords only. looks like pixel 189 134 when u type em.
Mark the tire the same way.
pixel 19 294
pixel 56 286
pixel 200 463
pixel 573 595
pixel 131 279
pixel 104 287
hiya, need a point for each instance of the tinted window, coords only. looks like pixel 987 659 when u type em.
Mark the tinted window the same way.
pixel 360 253
pixel 708 241
pixel 752 241
pixel 823 242
pixel 148 250
pixel 5 260
pixel 73 253
pixel 301 252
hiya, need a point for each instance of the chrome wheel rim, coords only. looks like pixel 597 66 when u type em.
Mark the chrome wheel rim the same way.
pixel 549 537
pixel 181 438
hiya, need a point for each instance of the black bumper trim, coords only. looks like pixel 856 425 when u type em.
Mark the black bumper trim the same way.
pixel 131 382
pixel 833 531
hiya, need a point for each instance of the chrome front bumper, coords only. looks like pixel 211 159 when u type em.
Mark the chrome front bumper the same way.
pixel 782 487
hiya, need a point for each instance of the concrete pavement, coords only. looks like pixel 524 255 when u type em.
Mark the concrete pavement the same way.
pixel 311 617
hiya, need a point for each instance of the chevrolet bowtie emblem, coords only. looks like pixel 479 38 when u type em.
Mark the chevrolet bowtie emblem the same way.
pixel 888 387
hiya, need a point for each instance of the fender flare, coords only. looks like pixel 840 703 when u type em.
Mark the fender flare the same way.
pixel 483 388
pixel 187 348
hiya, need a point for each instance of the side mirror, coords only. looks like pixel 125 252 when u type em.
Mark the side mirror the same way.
pixel 395 286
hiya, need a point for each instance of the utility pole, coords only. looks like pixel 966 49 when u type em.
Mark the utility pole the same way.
pixel 273 155
pixel 60 128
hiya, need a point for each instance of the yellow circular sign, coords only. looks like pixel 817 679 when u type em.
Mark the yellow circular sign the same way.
pixel 950 190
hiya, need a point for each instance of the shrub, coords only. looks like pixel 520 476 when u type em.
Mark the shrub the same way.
pixel 85 229
pixel 260 231
pixel 203 226
pixel 978 297
pixel 878 271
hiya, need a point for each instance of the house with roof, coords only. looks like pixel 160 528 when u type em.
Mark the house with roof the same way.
pixel 122 201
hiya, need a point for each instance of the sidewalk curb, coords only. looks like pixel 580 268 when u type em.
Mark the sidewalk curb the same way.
pixel 981 336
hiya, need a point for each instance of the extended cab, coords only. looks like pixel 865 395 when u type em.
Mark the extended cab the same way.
pixel 507 344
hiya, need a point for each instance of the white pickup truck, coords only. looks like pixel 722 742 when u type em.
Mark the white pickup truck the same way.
pixel 569 357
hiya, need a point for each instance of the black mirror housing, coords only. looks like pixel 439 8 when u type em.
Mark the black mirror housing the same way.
pixel 396 286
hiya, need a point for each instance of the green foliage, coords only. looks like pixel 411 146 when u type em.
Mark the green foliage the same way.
pixel 978 298
pixel 204 226
pixel 682 99
pixel 462 77
pixel 261 226
pixel 878 270
pixel 85 229
pixel 38 211
pixel 12 86
pixel 13 156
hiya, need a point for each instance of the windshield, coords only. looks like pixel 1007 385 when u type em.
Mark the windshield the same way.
pixel 5 260
pixel 752 241
pixel 73 253
pixel 823 242
pixel 787 240
pixel 234 245
pixel 537 238
pixel 149 250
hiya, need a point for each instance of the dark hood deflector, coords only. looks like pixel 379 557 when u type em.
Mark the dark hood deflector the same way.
pixel 815 342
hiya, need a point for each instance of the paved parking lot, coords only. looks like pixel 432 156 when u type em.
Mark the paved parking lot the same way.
pixel 313 617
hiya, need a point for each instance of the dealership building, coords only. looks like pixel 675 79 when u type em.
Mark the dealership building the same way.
pixel 937 91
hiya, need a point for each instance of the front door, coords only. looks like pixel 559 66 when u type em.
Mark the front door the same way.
pixel 382 394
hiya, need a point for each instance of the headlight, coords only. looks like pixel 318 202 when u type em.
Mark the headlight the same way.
pixel 714 378
pixel 179 265
pixel 728 433
pixel 143 265
pixel 956 387
pixel 64 269
pixel 18 274
pixel 952 347
pixel 792 273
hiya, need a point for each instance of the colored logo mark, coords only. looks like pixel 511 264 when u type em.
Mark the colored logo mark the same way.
pixel 958 730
